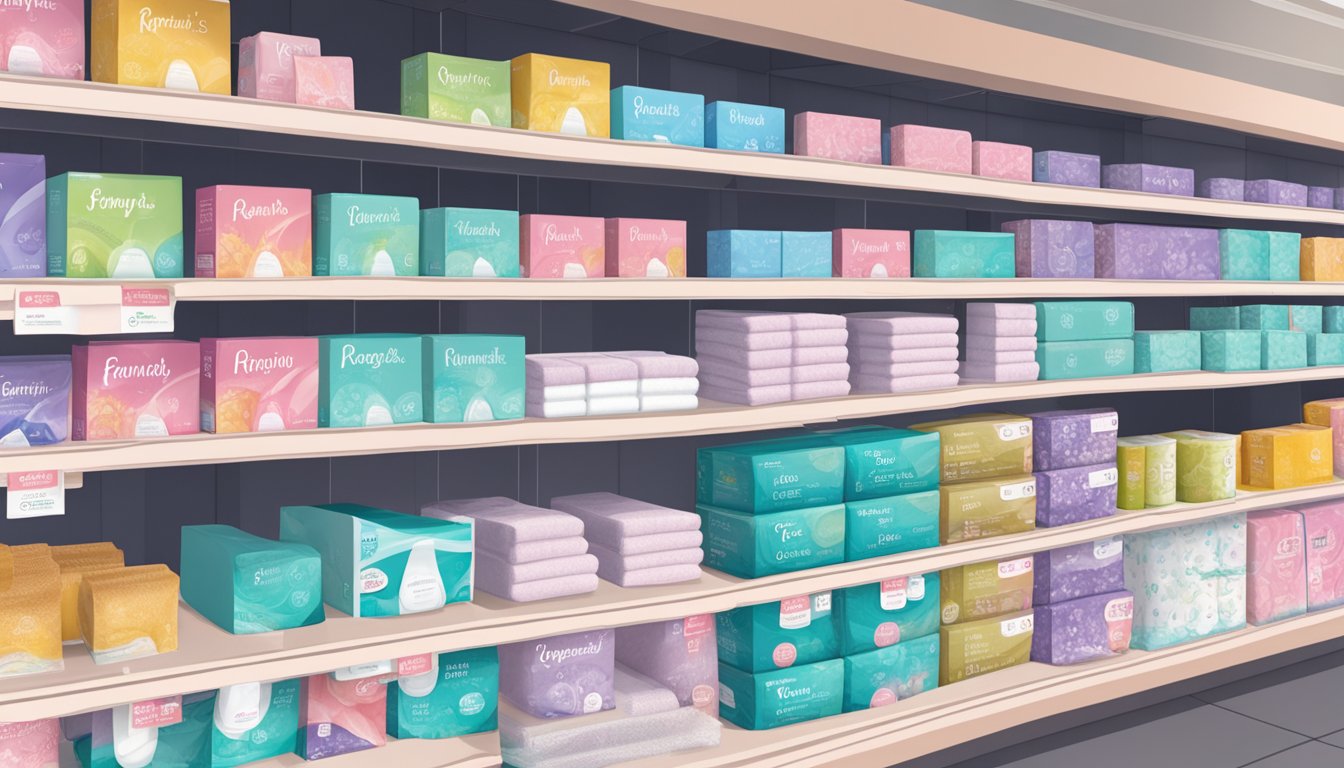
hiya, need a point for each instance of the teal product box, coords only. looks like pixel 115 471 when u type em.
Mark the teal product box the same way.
pixel 884 613
pixel 743 253
pixel 781 697
pixel 276 734
pixel 745 127
pixel 369 380
pixel 1215 318
pixel 877 527
pixel 1283 349
pixel 468 242
pixel 650 114
pixel 805 254
pixel 771 475
pixel 1285 256
pixel 381 563
pixel 1166 351
pixel 1225 351
pixel 366 235
pixel 792 632
pixel 886 675
pixel 883 461
pixel 1085 359
pixel 474 377
pixel 182 745
pixel 246 584
pixel 1084 320
pixel 1325 349
pixel 1244 254
pixel 459 695
pixel 1307 318
pixel 1333 319
pixel 947 253
pixel 750 546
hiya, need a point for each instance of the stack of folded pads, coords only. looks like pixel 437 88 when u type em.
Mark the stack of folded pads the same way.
pixel 755 358
pixel 1000 343
pixel 637 544
pixel 604 383
pixel 901 351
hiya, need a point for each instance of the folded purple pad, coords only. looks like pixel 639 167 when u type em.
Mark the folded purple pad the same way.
pixel 609 519
pixel 823 337
pixel 1001 310
pixel 930 355
pixel 548 371
pixel 529 591
pixel 815 390
pixel 659 365
pixel 897 370
pixel 974 372
pixel 754 321
pixel 659 542
pixel 748 395
pixel 610 559
pixel 894 323
pixel 546 549
pixel 500 571
pixel 804 374
pixel 772 358
pixel 911 341
pixel 745 341
pixel 600 367
pixel 990 357
pixel 1000 326
pixel 651 577
pixel 1001 343
pixel 501 523
pixel 725 374
pixel 876 386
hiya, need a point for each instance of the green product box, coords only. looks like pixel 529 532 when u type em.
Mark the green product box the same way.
pixel 1085 359
pixel 106 225
pixel 1283 349
pixel 781 697
pixel 1245 254
pixel 948 253
pixel 1285 256
pixel 1166 351
pixel 877 527
pixel 771 475
pixel 459 695
pixel 370 380
pixel 246 584
pixel 796 631
pixel 1084 320
pixel 1325 349
pixel 884 613
pixel 468 242
pixel 986 508
pixel 982 445
pixel 979 647
pixel 366 235
pixel 1215 318
pixel 881 461
pixel 883 676
pixel 1230 350
pixel 1332 319
pixel 471 377
pixel 1206 465
pixel 457 89
pixel 751 545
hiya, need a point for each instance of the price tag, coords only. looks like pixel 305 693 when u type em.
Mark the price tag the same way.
pixel 157 713
pixel 40 493
pixel 410 666
pixel 146 310
pixel 41 312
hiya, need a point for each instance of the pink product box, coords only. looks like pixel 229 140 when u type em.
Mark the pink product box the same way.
pixel 838 137
pixel 1324 527
pixel 870 253
pixel 1001 161
pixel 562 246
pixel 254 232
pixel 42 38
pixel 130 389
pixel 258 385
pixel 646 248
pixel 1276 566
pixel 33 744
pixel 324 81
pixel 931 149
pixel 266 64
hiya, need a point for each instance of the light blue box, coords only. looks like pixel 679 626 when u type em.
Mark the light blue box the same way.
pixel 665 117
pixel 782 696
pixel 750 546
pixel 1285 256
pixel 899 671
pixel 246 584
pixel 1244 254
pixel 1307 318
pixel 746 127
pixel 882 461
pixel 805 254
pixel 890 611
pixel 474 377
pixel 1333 319
pixel 744 253
pixel 366 235
pixel 947 253
pixel 766 636
pixel 878 527
pixel 1085 359
pixel 468 242
pixel 1082 320
pixel 1283 349
pixel 1325 349
pixel 1166 351
pixel 771 475
pixel 1230 350
pixel 1215 318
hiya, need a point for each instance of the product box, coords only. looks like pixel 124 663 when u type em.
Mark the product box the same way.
pixel 878 527
pixel 884 613
pixel 771 475
pixel 366 235
pixel 1130 461
pixel 744 253
pixel 1325 349
pixel 645 248
pixel 781 697
pixel 405 563
pixel 682 655
pixel 246 584
pixel 982 590
pixel 837 137
pixel 43 39
pixel 1285 255
pixel 129 389
pixel 1084 629
pixel 931 149
pixel 33 744
pixel 337 717
pixel 35 409
pixel 1324 526
pixel 1073 438
pixel 1276 565
pixel 796 631
pixel 248 721
pixel 881 677
pixel 128 613
pixel 881 461
pixel 745 127
pixel 1223 189
pixel 472 377
pixel 1001 161
pixel 469 242
pixel 1206 466
pixel 1283 317
pixel 1215 318
pixel 982 445
pixel 266 64
pixel 1283 349
pixel 1321 197
pixel 259 385
pixel 370 380
pixel 870 253
pixel 559 95
pixel 1067 496
pixel 114 225
pixel 1153 457
pixel 1329 413
pixel 1169 351
pixel 579 667
pixel 1143 177
pixel 1148 252
pixel 456 89
pixel 1288 457
pixel 1245 254
pixel 1230 350
pixel 562 246
pixel 1322 259
pixel 254 232
pixel 459 695
pixel 1081 570
pixel 31 610
pixel 1072 168
pixel 1085 359
pixel 1332 319
pixel 943 253
pixel 1084 320
pixel 805 254
pixel 1276 192
pixel 184 743
pixel 23 209
pixel 980 509
pixel 183 45
pixel 665 117
pixel 750 546
pixel 324 81
pixel 987 645
pixel 1053 248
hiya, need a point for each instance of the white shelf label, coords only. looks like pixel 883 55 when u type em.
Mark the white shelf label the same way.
pixel 146 310
pixel 42 312
pixel 40 493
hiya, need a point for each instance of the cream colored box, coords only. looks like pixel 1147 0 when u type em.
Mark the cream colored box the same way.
pixel 182 45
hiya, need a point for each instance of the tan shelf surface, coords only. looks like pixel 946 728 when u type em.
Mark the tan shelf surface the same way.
pixel 209 657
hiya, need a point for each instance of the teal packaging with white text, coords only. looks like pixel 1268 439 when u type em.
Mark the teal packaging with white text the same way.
pixel 458 696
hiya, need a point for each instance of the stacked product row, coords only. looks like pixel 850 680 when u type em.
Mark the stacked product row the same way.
pixel 597 384
pixel 756 358
pixel 1269 336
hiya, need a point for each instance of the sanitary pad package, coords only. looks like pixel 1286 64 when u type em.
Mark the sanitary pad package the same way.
pixel 182 45
pixel 881 677
pixel 681 654
pixel 469 242
pixel 370 380
pixel 266 64
pixel 458 695
pixel 338 717
pixel 797 630
pixel 456 89
pixel 872 616
pixel 366 235
pixel 559 95
pixel 471 378
pixel 23 207
pixel 114 225
pixel 247 584
pixel 258 385
pixel 254 232
pixel 560 676
pixel 34 400
pixel 135 389
pixel 782 696
pixel 43 38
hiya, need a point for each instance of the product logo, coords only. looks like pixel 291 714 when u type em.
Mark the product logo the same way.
pixel 29 5
pixel 469 78
pixel 467 229
pixel 127 205
pixel 245 363
pixel 374 360
pixel 574 81
pixel 112 371
pixel 554 235
pixel 358 216
pixel 785 692
pixel 547 655
pixel 10 389
pixel 655 110
pixel 151 24
pixel 494 357
pixel 1315 454
pixel 737 118
pixel 242 210
pixel 1288 546
pixel 638 236
pixel 265 575
pixel 286 50
pixel 860 247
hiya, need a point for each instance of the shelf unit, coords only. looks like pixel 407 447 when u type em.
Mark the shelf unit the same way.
pixel 479 750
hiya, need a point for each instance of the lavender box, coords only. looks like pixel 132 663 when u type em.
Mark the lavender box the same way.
pixel 1065 496
pixel 1073 168
pixel 1069 573
pixel 1143 177
pixel 1085 629
pixel 560 676
pixel 1276 192
pixel 1148 252
pixel 1223 189
pixel 1321 197
pixel 23 211
pixel 1339 198
pixel 34 400
pixel 1053 248
pixel 1064 439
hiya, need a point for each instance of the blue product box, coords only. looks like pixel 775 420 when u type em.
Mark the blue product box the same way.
pixel 747 127
pixel 649 114
pixel 805 254
pixel 744 253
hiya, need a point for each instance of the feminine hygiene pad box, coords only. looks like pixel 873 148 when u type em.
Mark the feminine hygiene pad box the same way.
pixel 254 232
pixel 42 39
pixel 258 385
pixel 34 400
pixel 183 45
pixel 456 89
pixel 649 114
pixel 474 378
pixel 246 584
pixel 135 389
pixel 114 225
pixel 457 696
pixel 369 380
pixel 560 676
pixel 366 235
pixel 23 211
pixel 468 242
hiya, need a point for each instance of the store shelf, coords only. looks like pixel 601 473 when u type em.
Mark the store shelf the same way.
pixel 209 658
pixel 479 750
pixel 710 418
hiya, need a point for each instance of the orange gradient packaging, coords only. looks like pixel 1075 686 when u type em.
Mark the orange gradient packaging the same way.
pixel 254 232
pixel 128 389
pixel 182 45
pixel 258 385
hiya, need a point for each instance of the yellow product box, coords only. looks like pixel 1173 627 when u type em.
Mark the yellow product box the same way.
pixel 128 613
pixel 985 508
pixel 75 560
pixel 559 95
pixel 1323 258
pixel 977 647
pixel 982 445
pixel 182 45
pixel 1288 456
pixel 30 612
pixel 1132 462
pixel 982 590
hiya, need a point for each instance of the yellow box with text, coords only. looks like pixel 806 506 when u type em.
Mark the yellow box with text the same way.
pixel 1288 456
pixel 559 95
pixel 182 45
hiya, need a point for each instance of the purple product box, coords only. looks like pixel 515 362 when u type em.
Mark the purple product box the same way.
pixel 1148 252
pixel 1276 192
pixel 1065 496
pixel 682 655
pixel 1339 198
pixel 23 216
pixel 1053 248
pixel 1088 628
pixel 1321 197
pixel 1223 189
pixel 1081 570
pixel 1073 168
pixel 34 400
pixel 1143 177
pixel 560 676
pixel 1064 439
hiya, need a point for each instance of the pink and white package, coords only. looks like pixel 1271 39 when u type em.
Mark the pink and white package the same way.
pixel 259 385
pixel 682 654
pixel 838 137
pixel 42 38
pixel 870 253
pixel 646 248
pixel 37 744
pixel 338 717
pixel 266 64
pixel 931 149
pixel 129 389
pixel 1001 161
pixel 1276 566
pixel 324 81
pixel 1324 527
